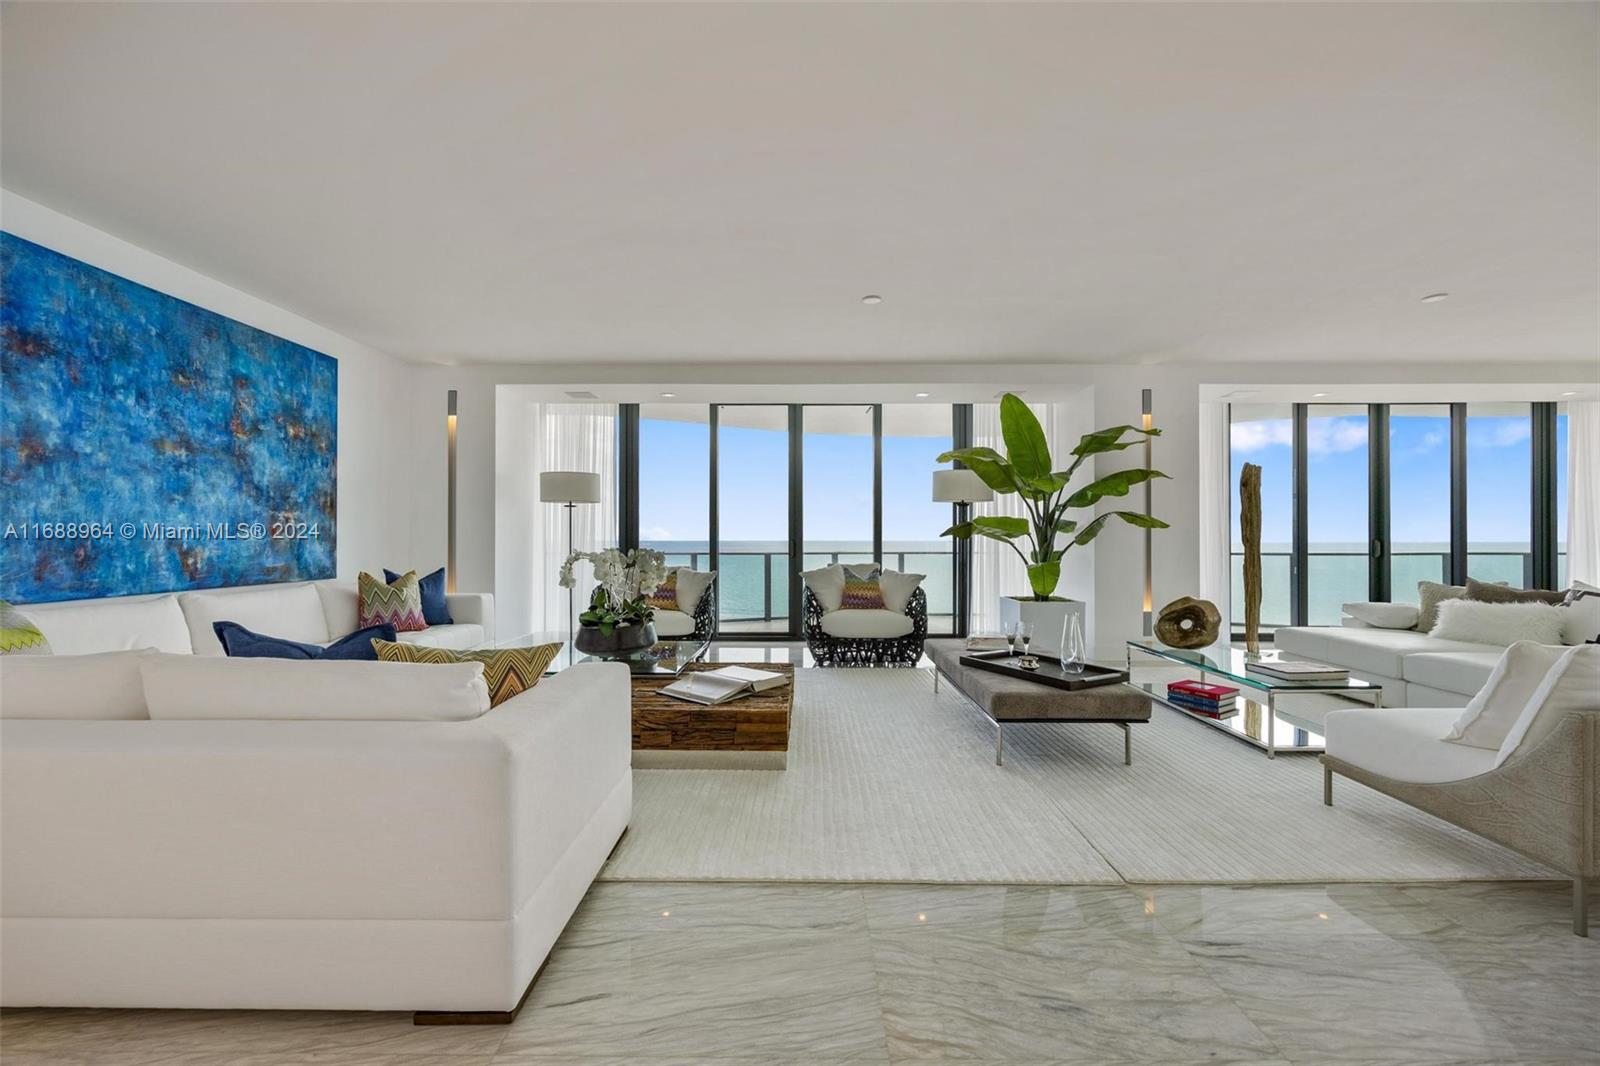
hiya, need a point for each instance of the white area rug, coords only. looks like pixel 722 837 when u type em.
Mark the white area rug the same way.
pixel 889 782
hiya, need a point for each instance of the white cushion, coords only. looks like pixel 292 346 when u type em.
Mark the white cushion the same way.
pixel 1572 684
pixel 1385 615
pixel 83 627
pixel 1403 743
pixel 1371 651
pixel 827 585
pixel 1491 713
pixel 292 612
pixel 459 636
pixel 692 584
pixel 1464 672
pixel 673 623
pixel 106 685
pixel 1502 624
pixel 339 607
pixel 189 687
pixel 869 622
pixel 1583 618
pixel 897 588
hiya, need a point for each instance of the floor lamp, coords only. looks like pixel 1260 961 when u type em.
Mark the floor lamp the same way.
pixel 569 488
pixel 962 488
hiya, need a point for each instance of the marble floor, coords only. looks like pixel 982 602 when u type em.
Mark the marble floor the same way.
pixel 655 973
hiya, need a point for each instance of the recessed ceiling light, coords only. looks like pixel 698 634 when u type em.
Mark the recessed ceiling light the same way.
pixel 869 300
pixel 1318 395
pixel 1573 392
pixel 925 395
pixel 668 395
pixel 1435 297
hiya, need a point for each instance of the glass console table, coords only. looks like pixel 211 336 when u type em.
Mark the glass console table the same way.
pixel 1257 721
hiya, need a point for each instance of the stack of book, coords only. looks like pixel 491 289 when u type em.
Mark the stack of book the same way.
pixel 1290 670
pixel 1213 701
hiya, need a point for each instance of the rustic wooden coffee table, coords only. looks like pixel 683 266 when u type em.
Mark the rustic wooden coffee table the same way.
pixel 749 733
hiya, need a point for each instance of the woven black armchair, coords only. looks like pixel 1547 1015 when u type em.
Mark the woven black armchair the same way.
pixel 705 612
pixel 867 651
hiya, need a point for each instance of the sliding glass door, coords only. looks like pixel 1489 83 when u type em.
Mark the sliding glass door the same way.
pixel 1336 489
pixel 1361 502
pixel 1419 497
pixel 760 492
pixel 914 436
pixel 838 502
pixel 751 549
pixel 1499 485
pixel 674 493
pixel 1263 434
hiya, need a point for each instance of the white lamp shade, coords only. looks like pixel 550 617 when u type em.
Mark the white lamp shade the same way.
pixel 960 486
pixel 569 486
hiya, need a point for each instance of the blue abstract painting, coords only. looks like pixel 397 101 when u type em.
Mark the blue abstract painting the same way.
pixel 149 445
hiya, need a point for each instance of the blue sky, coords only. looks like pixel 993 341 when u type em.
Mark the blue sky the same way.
pixel 1498 476
pixel 673 495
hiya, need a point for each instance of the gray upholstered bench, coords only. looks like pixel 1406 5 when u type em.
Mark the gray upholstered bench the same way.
pixel 1013 700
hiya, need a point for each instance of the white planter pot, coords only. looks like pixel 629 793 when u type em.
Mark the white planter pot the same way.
pixel 1048 618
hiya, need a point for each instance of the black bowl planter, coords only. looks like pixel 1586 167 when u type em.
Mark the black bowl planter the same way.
pixel 621 641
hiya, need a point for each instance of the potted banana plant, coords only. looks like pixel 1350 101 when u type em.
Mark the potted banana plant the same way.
pixel 1045 534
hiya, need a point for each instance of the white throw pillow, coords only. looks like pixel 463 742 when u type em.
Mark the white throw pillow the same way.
pixel 1583 621
pixel 193 686
pixel 1385 615
pixel 692 584
pixel 1491 714
pixel 897 588
pixel 106 685
pixel 1572 684
pixel 827 585
pixel 1500 624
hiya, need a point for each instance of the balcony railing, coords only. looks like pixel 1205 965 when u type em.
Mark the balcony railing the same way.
pixel 753 586
pixel 1334 578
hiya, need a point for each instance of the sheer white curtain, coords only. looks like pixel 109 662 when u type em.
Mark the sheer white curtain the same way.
pixel 571 436
pixel 996 569
pixel 1216 515
pixel 1583 492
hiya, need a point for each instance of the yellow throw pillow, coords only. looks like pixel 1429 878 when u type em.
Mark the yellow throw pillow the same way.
pixel 507 671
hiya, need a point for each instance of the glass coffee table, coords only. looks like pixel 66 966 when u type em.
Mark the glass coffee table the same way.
pixel 1256 721
pixel 665 658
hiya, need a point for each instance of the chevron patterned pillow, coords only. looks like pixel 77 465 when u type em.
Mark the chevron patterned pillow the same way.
pixel 507 671
pixel 398 605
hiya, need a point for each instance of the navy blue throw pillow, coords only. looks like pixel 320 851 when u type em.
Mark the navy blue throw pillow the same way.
pixel 434 611
pixel 240 643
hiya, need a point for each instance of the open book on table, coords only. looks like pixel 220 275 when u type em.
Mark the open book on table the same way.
pixel 724 684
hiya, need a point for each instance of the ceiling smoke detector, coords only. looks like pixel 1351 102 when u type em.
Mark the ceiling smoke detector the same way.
pixel 871 300
pixel 1435 297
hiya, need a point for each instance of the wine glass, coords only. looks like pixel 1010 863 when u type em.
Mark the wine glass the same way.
pixel 1025 632
pixel 1013 634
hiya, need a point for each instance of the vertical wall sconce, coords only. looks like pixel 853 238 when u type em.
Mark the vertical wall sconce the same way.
pixel 1149 581
pixel 450 491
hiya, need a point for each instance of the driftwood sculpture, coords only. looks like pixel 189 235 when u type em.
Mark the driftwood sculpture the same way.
pixel 1189 623
pixel 1250 532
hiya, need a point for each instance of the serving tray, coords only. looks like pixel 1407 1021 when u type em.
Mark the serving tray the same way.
pixel 1049 671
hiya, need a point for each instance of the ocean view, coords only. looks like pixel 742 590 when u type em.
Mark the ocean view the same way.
pixel 753 586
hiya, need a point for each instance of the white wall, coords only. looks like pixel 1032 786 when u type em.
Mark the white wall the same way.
pixel 375 390
pixel 1119 551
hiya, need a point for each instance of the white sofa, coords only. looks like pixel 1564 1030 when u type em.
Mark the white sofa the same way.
pixel 315 612
pixel 304 864
pixel 1415 669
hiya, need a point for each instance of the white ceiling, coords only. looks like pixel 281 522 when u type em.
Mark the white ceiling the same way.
pixel 1077 183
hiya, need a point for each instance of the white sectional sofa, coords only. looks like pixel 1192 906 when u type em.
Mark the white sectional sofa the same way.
pixel 315 612
pixel 1415 669
pixel 155 854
